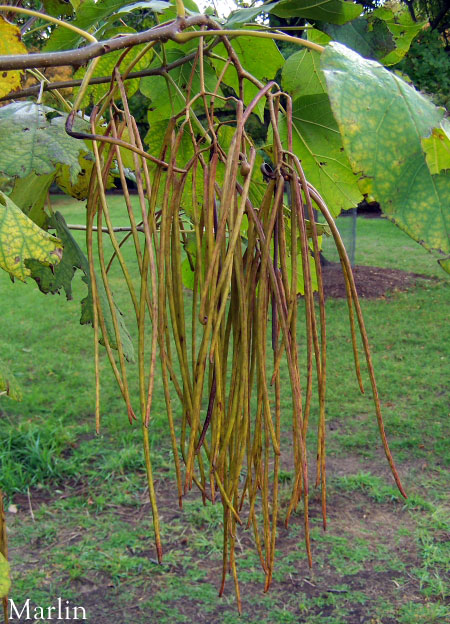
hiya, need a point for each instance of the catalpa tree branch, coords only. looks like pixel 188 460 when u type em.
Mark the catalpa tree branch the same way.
pixel 65 84
pixel 93 50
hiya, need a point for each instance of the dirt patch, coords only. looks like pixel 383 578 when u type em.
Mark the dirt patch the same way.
pixel 331 590
pixel 371 282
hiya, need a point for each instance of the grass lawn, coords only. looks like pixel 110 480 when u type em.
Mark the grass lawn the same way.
pixel 79 523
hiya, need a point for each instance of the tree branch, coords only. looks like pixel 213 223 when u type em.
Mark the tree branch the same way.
pixel 440 16
pixel 80 56
pixel 65 84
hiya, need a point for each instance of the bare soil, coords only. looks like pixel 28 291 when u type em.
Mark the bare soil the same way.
pixel 351 516
pixel 371 282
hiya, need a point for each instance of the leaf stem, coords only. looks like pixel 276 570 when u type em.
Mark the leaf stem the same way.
pixel 181 11
pixel 187 36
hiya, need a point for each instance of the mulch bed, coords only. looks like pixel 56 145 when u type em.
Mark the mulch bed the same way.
pixel 371 282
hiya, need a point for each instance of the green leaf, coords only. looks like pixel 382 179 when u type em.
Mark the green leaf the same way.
pixel 402 27
pixel 300 281
pixel 302 74
pixel 34 140
pixel 334 11
pixel 370 39
pixel 383 121
pixel 189 263
pixel 155 139
pixel 445 264
pixel 89 14
pixel 10 387
pixel 21 239
pixel 158 6
pixel 187 274
pixel 106 65
pixel 30 194
pixel 260 57
pixel 241 16
pixel 318 144
pixel 168 99
pixel 61 277
pixel 437 148
pixel 58 8
pixel 5 582
pixel 384 34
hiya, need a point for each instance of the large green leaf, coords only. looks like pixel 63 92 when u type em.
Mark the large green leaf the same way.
pixel 334 11
pixel 10 387
pixel 21 239
pixel 382 121
pixel 34 140
pixel 5 582
pixel 260 57
pixel 52 281
pixel 318 144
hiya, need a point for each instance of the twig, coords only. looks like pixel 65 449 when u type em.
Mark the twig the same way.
pixel 29 505
pixel 79 226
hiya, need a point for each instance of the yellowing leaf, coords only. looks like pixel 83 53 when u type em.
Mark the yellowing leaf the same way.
pixel 437 148
pixel 5 581
pixel 22 239
pixel 10 43
pixel 383 140
pixel 30 194
pixel 80 187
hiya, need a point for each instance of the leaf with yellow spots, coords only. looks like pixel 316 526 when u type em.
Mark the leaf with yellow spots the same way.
pixel 9 386
pixel 22 239
pixel 437 148
pixel 382 121
pixel 10 43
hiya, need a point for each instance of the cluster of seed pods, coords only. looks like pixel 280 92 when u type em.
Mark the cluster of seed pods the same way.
pixel 245 229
